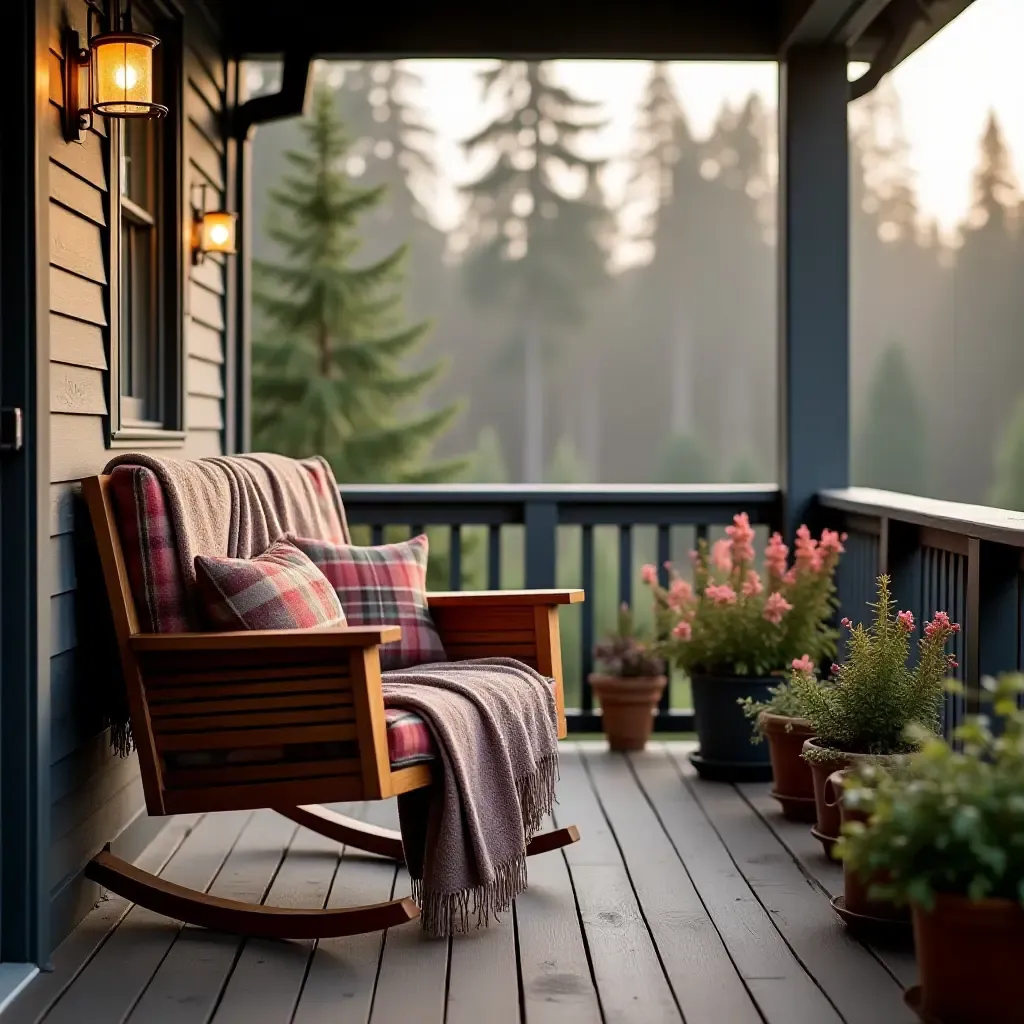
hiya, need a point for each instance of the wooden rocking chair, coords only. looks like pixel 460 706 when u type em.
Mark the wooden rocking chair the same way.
pixel 309 706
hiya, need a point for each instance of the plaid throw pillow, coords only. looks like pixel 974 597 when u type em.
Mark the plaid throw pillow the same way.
pixel 280 589
pixel 383 586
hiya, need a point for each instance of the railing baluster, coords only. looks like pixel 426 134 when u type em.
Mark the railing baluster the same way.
pixel 377 534
pixel 541 529
pixel 415 530
pixel 625 564
pixel 664 555
pixel 494 556
pixel 587 612
pixel 455 557
pixel 702 532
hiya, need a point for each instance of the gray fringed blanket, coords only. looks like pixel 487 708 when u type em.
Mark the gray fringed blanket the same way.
pixel 495 726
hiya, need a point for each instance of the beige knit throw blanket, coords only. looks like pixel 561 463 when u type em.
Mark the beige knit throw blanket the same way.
pixel 237 506
pixel 495 726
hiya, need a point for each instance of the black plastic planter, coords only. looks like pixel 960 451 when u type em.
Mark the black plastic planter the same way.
pixel 724 731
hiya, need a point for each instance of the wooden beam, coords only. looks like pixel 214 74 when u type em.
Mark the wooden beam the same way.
pixel 719 29
pixel 814 22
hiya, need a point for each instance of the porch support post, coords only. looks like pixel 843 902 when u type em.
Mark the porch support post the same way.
pixel 25 717
pixel 814 277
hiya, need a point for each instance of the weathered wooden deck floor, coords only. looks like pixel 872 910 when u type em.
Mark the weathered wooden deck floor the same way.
pixel 684 901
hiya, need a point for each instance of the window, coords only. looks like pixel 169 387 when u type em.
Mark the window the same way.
pixel 146 330
pixel 140 277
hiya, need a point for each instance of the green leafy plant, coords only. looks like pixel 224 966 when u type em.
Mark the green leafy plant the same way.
pixel 782 701
pixel 871 699
pixel 732 620
pixel 949 821
pixel 625 651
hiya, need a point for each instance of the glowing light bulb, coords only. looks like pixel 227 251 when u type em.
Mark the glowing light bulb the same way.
pixel 125 76
pixel 219 234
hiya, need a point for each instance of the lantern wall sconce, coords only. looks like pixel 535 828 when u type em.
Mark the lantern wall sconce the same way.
pixel 212 230
pixel 119 74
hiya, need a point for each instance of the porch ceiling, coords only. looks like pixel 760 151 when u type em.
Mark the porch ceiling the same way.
pixel 688 29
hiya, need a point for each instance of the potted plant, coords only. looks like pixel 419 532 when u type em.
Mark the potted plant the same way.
pixel 779 720
pixel 862 712
pixel 860 906
pixel 948 834
pixel 629 684
pixel 735 631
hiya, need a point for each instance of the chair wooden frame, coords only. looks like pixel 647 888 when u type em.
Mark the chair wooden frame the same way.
pixel 192 695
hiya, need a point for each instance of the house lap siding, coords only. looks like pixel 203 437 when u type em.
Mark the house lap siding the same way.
pixel 97 796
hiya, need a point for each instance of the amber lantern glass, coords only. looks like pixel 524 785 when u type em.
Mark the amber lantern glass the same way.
pixel 217 232
pixel 123 75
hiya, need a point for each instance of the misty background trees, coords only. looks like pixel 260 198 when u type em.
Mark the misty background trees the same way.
pixel 567 368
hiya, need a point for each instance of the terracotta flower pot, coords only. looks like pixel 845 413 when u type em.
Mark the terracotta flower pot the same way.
pixel 968 955
pixel 826 801
pixel 793 786
pixel 627 707
pixel 856 889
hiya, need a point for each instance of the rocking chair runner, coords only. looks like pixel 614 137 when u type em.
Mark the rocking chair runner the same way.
pixel 310 709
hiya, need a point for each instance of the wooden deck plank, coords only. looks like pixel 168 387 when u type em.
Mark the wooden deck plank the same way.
pixel 806 850
pixel 557 984
pixel 268 978
pixel 483 976
pixel 193 975
pixel 782 989
pixel 72 955
pixel 340 985
pixel 413 973
pixel 115 978
pixel 630 980
pixel 855 982
pixel 705 981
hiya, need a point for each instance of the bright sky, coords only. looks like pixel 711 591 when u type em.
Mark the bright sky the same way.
pixel 946 89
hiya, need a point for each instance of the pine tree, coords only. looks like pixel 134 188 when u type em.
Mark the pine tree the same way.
pixel 665 185
pixel 327 374
pixel 891 447
pixel 391 145
pixel 684 460
pixel 535 253
pixel 996 193
pixel 1008 489
pixel 488 463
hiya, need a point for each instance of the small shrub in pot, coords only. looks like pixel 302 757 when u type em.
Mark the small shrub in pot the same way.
pixel 629 683
pixel 864 709
pixel 779 720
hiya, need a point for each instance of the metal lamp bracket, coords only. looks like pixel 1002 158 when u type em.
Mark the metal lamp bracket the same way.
pixel 77 116
pixel 197 216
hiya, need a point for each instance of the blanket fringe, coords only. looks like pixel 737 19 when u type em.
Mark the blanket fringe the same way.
pixel 449 913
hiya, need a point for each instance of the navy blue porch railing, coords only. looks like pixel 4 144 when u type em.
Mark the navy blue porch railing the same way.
pixel 967 560
pixel 962 559
pixel 528 535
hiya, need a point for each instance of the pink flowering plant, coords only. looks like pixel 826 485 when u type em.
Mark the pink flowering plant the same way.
pixel 736 621
pixel 873 701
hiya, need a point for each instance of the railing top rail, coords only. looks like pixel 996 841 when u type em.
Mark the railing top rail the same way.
pixel 563 494
pixel 998 525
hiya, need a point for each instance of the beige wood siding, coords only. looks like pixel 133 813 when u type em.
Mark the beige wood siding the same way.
pixel 94 793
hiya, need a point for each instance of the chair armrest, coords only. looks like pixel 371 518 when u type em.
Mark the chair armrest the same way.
pixel 255 639
pixel 521 624
pixel 503 598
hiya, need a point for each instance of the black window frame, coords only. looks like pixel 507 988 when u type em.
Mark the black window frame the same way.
pixel 164 426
